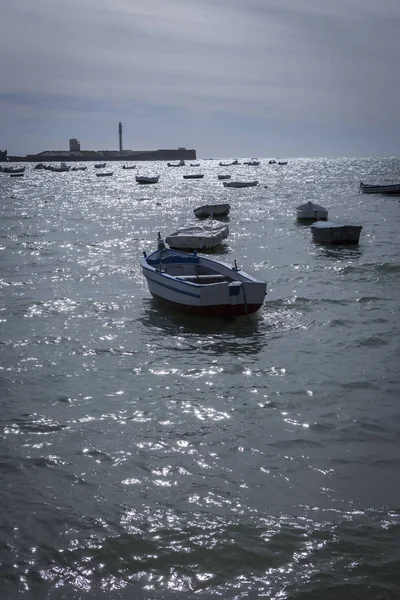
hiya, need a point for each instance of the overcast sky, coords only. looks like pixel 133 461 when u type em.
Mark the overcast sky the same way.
pixel 267 78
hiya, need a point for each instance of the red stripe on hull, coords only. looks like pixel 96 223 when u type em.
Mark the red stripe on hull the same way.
pixel 220 311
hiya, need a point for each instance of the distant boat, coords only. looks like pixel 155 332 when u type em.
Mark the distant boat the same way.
pixel 216 210
pixel 82 168
pixel 336 234
pixel 194 176
pixel 63 167
pixel 129 166
pixel 234 162
pixel 252 163
pixel 17 174
pixel 181 163
pixel 311 212
pixel 199 236
pixel 393 189
pixel 282 162
pixel 201 286
pixel 146 180
pixel 13 169
pixel 224 176
pixel 105 174
pixel 39 166
pixel 194 164
pixel 239 184
pixel 99 165
pixel 272 161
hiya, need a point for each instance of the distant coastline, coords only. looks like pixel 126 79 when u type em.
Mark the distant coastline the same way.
pixel 103 155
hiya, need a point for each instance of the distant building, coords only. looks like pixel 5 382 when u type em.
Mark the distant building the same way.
pixel 74 145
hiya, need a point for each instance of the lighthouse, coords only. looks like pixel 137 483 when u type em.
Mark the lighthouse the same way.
pixel 120 136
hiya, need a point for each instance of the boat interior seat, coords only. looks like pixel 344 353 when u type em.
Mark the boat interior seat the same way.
pixel 208 278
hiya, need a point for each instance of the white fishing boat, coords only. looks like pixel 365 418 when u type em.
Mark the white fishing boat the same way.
pixel 254 162
pixel 230 164
pixel 61 168
pixel 215 210
pixel 200 236
pixel 193 176
pixel 198 285
pixel 13 170
pixel 147 180
pixel 311 212
pixel 335 234
pixel 389 188
pixel 180 163
pixel 239 184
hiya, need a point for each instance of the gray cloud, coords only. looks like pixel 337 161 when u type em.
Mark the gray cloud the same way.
pixel 275 65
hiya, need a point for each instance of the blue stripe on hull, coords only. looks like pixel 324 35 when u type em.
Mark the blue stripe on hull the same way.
pixel 173 289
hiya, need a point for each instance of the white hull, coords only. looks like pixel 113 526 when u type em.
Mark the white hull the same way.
pixel 198 285
pixel 311 212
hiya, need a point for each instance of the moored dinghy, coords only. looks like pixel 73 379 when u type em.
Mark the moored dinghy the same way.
pixel 198 285
pixel 194 176
pixel 311 212
pixel 240 184
pixel 216 210
pixel 202 236
pixel 105 174
pixel 390 188
pixel 146 180
pixel 335 234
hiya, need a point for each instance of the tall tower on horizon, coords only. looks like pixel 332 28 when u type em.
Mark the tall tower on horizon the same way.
pixel 120 136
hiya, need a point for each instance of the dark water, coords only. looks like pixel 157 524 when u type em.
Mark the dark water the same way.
pixel 145 454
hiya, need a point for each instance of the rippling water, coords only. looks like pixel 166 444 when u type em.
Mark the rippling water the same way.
pixel 146 454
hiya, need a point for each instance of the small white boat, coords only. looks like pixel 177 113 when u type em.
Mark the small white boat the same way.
pixel 240 184
pixel 143 179
pixel 230 164
pixel 252 163
pixel 193 176
pixel 201 286
pixel 129 166
pixel 99 165
pixel 63 167
pixel 311 212
pixel 13 169
pixel 215 210
pixel 180 163
pixel 105 174
pixel 223 176
pixel 202 236
pixel 390 189
pixel 335 234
